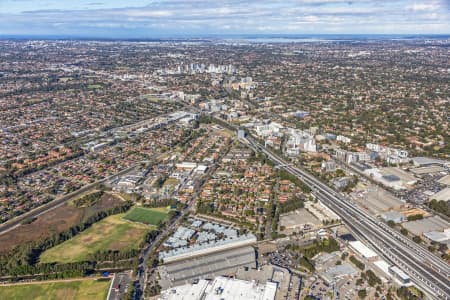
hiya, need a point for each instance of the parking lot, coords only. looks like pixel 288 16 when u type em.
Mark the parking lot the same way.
pixel 119 286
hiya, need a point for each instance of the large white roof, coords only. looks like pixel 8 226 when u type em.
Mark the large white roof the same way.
pixel 363 250
pixel 222 288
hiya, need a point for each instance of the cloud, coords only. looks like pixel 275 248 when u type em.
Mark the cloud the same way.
pixel 227 16
pixel 148 14
pixel 418 7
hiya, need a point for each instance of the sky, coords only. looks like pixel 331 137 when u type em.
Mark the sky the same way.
pixel 172 18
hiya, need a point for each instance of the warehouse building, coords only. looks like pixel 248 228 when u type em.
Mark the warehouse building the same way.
pixel 399 275
pixel 363 251
pixel 338 272
pixel 206 248
pixel 225 263
pixel 222 288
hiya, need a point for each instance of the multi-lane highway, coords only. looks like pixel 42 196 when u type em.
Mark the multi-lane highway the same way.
pixel 427 271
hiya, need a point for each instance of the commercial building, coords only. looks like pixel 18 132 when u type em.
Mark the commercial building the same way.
pixel 442 195
pixel 299 140
pixel 445 180
pixel 328 166
pixel 206 248
pixel 186 166
pixel 427 162
pixel 399 275
pixel 419 227
pixel 224 263
pixel 442 237
pixel 394 216
pixel 383 266
pixel 241 134
pixel 364 251
pixel 222 288
pixel 338 272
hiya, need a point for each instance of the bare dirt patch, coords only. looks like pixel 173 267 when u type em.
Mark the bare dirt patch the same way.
pixel 55 221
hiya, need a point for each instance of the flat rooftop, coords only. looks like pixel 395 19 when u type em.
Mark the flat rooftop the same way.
pixel 377 200
pixel 208 266
pixel 445 180
pixel 427 170
pixel 337 272
pixel 443 195
pixel 425 161
pixel 401 174
pixel 363 250
pixel 418 227
pixel 222 288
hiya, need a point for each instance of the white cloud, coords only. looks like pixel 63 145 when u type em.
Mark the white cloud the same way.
pixel 419 7
pixel 236 16
pixel 148 13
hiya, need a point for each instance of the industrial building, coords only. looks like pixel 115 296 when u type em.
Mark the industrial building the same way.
pixel 201 249
pixel 222 288
pixel 419 227
pixel 338 272
pixel 201 238
pixel 427 162
pixel 399 275
pixel 394 216
pixel 443 195
pixel 364 251
pixel 393 272
pixel 225 263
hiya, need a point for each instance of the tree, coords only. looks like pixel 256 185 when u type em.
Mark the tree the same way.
pixel 417 239
pixel 357 263
pixel 344 256
pixel 362 294
pixel 440 206
pixel 415 217
pixel 372 278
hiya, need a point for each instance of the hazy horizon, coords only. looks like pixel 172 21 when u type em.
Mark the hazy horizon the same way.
pixel 143 19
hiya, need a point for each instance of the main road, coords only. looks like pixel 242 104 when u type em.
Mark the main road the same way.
pixel 427 271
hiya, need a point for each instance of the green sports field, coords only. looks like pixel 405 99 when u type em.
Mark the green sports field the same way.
pixel 152 216
pixel 73 290
pixel 111 233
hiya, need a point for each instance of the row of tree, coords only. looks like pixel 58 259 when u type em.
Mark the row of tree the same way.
pixel 24 259
pixel 88 200
pixel 291 205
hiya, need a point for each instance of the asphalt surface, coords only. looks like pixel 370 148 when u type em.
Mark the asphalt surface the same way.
pixel 120 286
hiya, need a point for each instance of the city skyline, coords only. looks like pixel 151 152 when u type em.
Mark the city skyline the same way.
pixel 148 19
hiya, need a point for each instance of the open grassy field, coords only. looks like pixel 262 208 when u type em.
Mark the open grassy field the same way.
pixel 95 86
pixel 71 290
pixel 111 233
pixel 170 181
pixel 55 221
pixel 150 216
